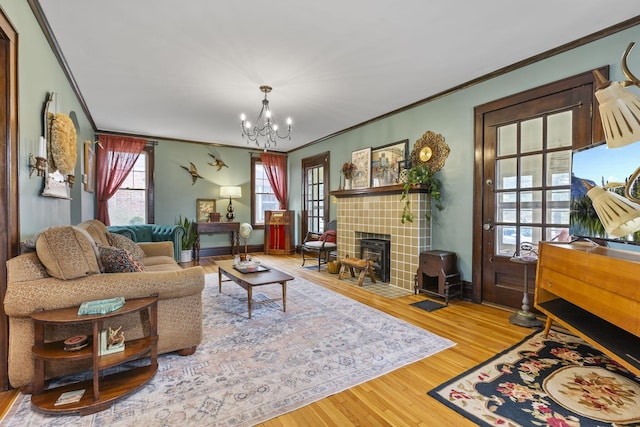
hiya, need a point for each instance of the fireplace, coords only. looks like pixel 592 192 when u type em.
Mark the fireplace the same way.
pixel 375 213
pixel 378 251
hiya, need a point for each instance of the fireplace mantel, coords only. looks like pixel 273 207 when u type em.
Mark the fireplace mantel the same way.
pixel 379 191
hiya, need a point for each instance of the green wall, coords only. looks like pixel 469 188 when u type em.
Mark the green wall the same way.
pixel 175 194
pixel 452 116
pixel 38 74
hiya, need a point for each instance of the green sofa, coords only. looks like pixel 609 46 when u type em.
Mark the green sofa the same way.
pixel 143 233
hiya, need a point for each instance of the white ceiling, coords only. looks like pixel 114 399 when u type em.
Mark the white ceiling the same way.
pixel 186 69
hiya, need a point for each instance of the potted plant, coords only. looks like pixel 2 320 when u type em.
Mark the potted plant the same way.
pixel 420 174
pixel 188 239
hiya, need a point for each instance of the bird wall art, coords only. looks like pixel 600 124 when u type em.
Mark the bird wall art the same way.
pixel 217 162
pixel 193 171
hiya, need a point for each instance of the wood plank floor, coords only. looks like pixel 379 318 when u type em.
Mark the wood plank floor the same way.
pixel 398 398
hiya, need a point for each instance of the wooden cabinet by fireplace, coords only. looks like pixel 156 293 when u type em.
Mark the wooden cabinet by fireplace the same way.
pixel 593 292
pixel 438 274
pixel 278 232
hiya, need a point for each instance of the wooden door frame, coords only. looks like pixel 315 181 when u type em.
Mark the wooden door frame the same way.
pixel 480 111
pixel 324 159
pixel 10 212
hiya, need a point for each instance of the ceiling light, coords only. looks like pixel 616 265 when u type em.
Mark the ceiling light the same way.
pixel 265 131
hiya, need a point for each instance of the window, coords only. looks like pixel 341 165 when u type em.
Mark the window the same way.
pixel 262 196
pixel 130 204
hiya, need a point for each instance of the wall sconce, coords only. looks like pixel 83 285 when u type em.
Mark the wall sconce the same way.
pixel 620 114
pixel 231 193
pixel 39 163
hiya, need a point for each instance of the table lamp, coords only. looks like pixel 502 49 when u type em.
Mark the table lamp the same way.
pixel 231 193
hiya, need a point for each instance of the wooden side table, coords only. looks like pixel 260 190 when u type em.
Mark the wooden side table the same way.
pixel 438 274
pixel 101 391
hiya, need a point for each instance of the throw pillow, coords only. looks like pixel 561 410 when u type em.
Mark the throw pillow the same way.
pixel 123 242
pixel 67 253
pixel 117 260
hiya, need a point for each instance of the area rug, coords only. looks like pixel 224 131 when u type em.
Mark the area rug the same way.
pixel 428 305
pixel 247 371
pixel 560 381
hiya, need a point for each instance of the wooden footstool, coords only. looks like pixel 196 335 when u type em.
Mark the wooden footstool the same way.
pixel 363 265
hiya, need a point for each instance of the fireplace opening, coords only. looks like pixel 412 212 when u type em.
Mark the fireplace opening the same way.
pixel 378 251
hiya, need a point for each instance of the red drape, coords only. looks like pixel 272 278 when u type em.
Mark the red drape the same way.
pixel 116 157
pixel 275 167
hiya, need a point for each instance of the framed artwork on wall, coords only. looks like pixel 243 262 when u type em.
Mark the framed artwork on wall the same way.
pixel 362 174
pixel 386 162
pixel 89 177
pixel 203 208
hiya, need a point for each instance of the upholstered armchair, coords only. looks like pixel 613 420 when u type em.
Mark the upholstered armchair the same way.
pixel 320 244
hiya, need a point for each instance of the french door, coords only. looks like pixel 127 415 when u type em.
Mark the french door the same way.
pixel 524 186
pixel 315 184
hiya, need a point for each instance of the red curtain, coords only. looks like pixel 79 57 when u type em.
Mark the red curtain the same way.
pixel 275 167
pixel 116 157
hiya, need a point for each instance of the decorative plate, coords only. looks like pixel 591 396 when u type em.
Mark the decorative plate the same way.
pixel 430 150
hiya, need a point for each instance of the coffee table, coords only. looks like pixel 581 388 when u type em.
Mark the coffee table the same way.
pixel 251 279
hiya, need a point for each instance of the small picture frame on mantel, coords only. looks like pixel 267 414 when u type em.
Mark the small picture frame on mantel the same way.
pixel 386 162
pixel 362 174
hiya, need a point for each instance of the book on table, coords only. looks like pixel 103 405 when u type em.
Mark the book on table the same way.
pixel 102 306
pixel 69 397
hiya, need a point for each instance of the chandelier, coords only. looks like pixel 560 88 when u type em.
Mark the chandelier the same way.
pixel 266 128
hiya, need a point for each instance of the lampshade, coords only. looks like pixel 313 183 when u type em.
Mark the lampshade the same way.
pixel 619 216
pixel 231 192
pixel 620 112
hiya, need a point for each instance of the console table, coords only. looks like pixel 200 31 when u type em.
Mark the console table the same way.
pixel 593 291
pixel 233 228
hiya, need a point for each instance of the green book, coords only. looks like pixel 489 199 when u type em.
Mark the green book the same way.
pixel 102 306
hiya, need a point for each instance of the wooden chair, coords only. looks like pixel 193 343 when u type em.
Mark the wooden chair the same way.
pixel 320 244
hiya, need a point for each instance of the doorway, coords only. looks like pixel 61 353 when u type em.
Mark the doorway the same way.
pixel 522 184
pixel 315 194
pixel 9 211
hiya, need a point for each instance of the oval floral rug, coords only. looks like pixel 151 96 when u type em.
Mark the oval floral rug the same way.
pixel 560 381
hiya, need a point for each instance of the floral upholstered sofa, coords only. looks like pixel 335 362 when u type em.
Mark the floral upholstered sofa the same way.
pixel 68 268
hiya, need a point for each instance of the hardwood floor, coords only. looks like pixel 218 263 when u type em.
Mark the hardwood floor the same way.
pixel 398 398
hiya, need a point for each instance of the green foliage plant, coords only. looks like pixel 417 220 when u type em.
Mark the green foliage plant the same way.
pixel 420 174
pixel 189 237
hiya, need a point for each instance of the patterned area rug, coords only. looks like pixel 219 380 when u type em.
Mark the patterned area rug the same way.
pixel 560 381
pixel 248 371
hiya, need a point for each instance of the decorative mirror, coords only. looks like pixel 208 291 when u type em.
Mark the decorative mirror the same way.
pixel 60 138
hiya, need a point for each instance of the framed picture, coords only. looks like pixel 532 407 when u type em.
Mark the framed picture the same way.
pixel 362 174
pixel 89 167
pixel 203 208
pixel 386 162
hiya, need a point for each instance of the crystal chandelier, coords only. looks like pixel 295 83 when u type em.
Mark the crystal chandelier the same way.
pixel 266 128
